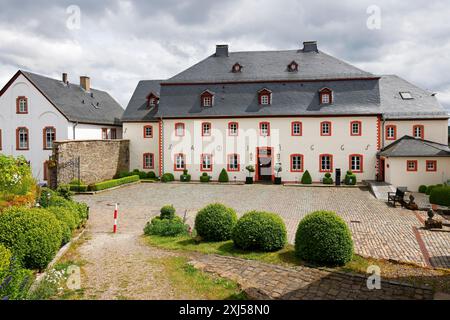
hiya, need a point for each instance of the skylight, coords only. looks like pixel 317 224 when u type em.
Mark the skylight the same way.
pixel 406 95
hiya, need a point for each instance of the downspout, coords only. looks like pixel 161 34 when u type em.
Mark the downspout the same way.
pixel 75 124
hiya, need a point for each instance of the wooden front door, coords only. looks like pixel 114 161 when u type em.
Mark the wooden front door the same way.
pixel 381 171
pixel 265 164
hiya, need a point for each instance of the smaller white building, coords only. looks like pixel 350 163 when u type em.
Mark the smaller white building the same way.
pixel 36 110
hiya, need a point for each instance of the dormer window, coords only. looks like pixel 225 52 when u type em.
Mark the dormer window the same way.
pixel 265 97
pixel 207 99
pixel 152 100
pixel 325 96
pixel 293 66
pixel 236 68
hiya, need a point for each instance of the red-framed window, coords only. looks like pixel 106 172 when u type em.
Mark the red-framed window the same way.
pixel 206 162
pixel 233 129
pixel 325 128
pixel 206 129
pixel 418 131
pixel 48 137
pixel 179 129
pixel 325 96
pixel 148 131
pixel 391 132
pixel 233 163
pixel 179 162
pixel 45 170
pixel 297 162
pixel 22 138
pixel 411 165
pixel 207 99
pixel 296 128
pixel 265 97
pixel 22 105
pixel 355 128
pixel 148 161
pixel 264 129
pixel 326 163
pixel 356 162
pixel 431 165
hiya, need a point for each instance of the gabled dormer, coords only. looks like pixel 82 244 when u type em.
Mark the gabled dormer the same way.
pixel 325 96
pixel 236 68
pixel 152 100
pixel 207 99
pixel 293 66
pixel 265 97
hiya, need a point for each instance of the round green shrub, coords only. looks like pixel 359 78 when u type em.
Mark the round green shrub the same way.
pixel 151 175
pixel 259 230
pixel 205 177
pixel 167 177
pixel 5 258
pixel 33 235
pixel 327 179
pixel 223 176
pixel 166 227
pixel 429 189
pixel 324 238
pixel 423 189
pixel 306 178
pixel 350 178
pixel 440 196
pixel 185 177
pixel 215 222
pixel 69 220
pixel 167 212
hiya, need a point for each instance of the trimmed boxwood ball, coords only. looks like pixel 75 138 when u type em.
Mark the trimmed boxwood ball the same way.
pixel 350 178
pixel 324 238
pixel 167 177
pixel 306 178
pixel 33 235
pixel 215 222
pixel 260 230
pixel 327 179
pixel 166 227
pixel 423 189
pixel 167 212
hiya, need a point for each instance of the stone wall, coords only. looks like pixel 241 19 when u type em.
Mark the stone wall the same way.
pixel 93 160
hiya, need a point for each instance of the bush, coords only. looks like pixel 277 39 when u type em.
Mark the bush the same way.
pixel 423 189
pixel 64 191
pixel 113 183
pixel 260 230
pixel 167 212
pixel 324 238
pixel 215 222
pixel 185 177
pixel 33 235
pixel 429 189
pixel 79 188
pixel 167 177
pixel 327 179
pixel 14 280
pixel 166 227
pixel 350 178
pixel 69 221
pixel 76 182
pixel 306 178
pixel 151 175
pixel 15 176
pixel 223 176
pixel 5 258
pixel 440 196
pixel 205 177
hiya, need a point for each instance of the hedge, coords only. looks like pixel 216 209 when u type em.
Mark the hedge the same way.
pixel 260 230
pixel 113 183
pixel 440 196
pixel 79 188
pixel 33 235
pixel 324 238
pixel 166 227
pixel 215 222
pixel 167 177
pixel 306 178
pixel 5 258
pixel 69 220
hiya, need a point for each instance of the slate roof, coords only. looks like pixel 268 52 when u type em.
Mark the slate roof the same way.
pixel 408 146
pixel 100 108
pixel 137 109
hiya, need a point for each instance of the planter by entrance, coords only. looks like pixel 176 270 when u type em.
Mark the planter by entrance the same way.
pixel 277 180
pixel 249 180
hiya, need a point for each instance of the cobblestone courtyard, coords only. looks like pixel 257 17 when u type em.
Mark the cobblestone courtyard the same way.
pixel 378 230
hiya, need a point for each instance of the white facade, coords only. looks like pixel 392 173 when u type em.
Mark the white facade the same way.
pixel 433 130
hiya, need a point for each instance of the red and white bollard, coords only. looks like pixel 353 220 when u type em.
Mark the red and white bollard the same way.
pixel 116 212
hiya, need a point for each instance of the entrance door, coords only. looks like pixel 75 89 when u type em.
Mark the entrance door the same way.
pixel 381 177
pixel 265 170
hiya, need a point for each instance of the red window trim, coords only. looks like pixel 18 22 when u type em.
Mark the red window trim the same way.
pixel 350 162
pixel 45 173
pixel 395 132
pixel 203 96
pixel 292 129
pixel 292 162
pixel 435 165
pixel 153 160
pixel 145 132
pixel 359 126
pixel 17 139
pixel 422 132
pixel 229 129
pixel 268 128
pixel 229 162
pixel 201 162
pixel 321 129
pixel 176 131
pixel 323 92
pixel 44 137
pixel 415 165
pixel 17 104
pixel 210 129
pixel 175 161
pixel 320 162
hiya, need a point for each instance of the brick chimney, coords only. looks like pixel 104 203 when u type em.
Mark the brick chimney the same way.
pixel 222 50
pixel 85 83
pixel 64 78
pixel 310 46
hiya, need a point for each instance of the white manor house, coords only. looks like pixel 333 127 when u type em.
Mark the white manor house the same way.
pixel 296 109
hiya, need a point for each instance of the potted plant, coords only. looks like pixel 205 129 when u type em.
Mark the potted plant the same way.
pixel 278 169
pixel 249 179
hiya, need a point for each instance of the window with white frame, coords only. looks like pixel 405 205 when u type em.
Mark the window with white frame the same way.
pixel 264 128
pixel 180 163
pixel 431 165
pixel 326 163
pixel 265 99
pixel 391 132
pixel 49 137
pixel 206 129
pixel 22 136
pixel 326 128
pixel 296 162
pixel 233 128
pixel 418 132
pixel 22 105
pixel 206 163
pixel 356 163
pixel 356 128
pixel 207 101
pixel 148 161
pixel 233 162
pixel 296 128
pixel 148 132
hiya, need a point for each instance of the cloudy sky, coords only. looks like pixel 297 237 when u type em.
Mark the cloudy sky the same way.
pixel 119 42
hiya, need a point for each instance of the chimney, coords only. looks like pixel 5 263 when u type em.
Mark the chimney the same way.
pixel 222 50
pixel 310 46
pixel 64 78
pixel 85 83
